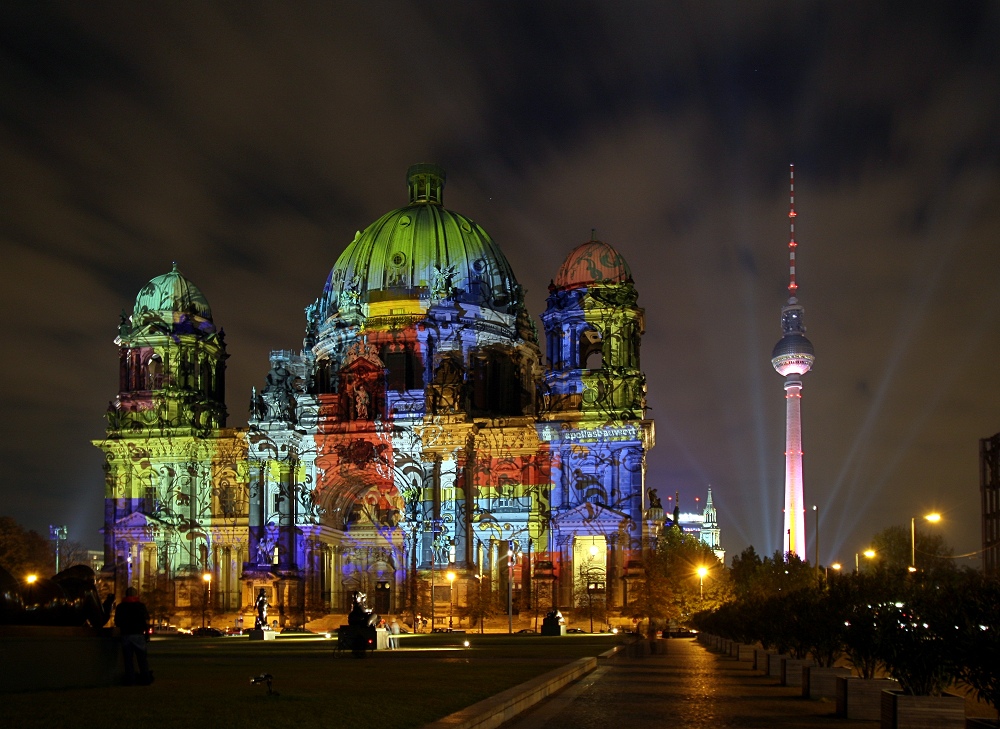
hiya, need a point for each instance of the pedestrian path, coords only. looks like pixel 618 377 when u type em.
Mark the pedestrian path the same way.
pixel 688 687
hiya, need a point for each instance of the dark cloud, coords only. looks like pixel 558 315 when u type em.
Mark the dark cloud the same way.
pixel 249 143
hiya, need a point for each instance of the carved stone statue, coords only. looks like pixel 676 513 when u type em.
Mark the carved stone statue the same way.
pixel 361 616
pixel 654 500
pixel 260 623
pixel 553 623
pixel 361 399
pixel 278 379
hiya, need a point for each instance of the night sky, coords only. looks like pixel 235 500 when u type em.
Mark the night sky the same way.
pixel 249 141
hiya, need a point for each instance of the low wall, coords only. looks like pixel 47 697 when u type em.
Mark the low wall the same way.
pixel 494 711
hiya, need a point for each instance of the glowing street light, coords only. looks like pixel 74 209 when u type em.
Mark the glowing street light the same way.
pixel 31 580
pixel 451 596
pixel 207 577
pixel 934 518
pixel 702 571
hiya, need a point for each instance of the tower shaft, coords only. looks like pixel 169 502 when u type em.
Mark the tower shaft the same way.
pixel 794 532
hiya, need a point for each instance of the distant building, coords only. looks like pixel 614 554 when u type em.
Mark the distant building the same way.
pixel 989 487
pixel 705 526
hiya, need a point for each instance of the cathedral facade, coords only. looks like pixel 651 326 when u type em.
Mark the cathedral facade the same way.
pixel 420 432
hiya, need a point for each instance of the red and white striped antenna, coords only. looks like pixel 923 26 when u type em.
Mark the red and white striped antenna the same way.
pixel 792 245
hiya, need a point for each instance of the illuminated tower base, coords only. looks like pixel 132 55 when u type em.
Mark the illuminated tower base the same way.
pixel 795 533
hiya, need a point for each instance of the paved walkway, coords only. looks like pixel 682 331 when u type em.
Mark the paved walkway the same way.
pixel 688 687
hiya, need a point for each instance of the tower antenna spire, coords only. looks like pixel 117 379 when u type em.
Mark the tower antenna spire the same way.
pixel 792 245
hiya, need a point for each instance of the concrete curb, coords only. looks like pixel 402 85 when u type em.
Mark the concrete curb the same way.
pixel 494 711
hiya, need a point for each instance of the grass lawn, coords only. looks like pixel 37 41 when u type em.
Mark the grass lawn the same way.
pixel 205 683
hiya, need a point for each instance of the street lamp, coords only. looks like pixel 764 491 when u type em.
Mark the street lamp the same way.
pixel 510 586
pixel 207 577
pixel 702 571
pixel 451 597
pixel 480 607
pixel 869 554
pixel 933 518
pixel 591 586
pixel 31 580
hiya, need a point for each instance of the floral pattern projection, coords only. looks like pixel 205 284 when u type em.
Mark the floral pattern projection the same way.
pixel 417 429
pixel 176 478
pixel 594 405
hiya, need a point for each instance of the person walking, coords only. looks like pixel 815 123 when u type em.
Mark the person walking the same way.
pixel 132 621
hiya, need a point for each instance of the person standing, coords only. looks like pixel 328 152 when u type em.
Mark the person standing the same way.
pixel 132 621
pixel 393 635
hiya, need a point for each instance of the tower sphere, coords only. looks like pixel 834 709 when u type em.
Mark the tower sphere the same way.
pixel 793 355
pixel 413 252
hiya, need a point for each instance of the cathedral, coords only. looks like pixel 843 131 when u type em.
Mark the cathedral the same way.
pixel 420 447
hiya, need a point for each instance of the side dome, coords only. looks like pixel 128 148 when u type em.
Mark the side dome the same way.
pixel 172 293
pixel 592 262
pixel 417 254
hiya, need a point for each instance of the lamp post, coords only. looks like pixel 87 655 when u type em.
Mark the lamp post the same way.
pixel 451 597
pixel 207 577
pixel 816 512
pixel 869 554
pixel 933 518
pixel 510 586
pixel 481 607
pixel 591 586
pixel 435 530
pixel 702 571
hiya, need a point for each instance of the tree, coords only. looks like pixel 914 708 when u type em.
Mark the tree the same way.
pixel 917 639
pixel 672 590
pixel 591 595
pixel 866 597
pixel 978 639
pixel 759 579
pixel 893 550
pixel 480 603
pixel 746 568
pixel 71 553
pixel 23 551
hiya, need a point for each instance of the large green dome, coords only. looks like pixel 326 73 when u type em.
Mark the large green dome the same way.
pixel 420 253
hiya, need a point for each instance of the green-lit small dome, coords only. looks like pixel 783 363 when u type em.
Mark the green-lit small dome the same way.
pixel 172 293
pixel 421 252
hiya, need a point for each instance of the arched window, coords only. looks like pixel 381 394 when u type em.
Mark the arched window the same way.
pixel 591 350
pixel 205 386
pixel 154 372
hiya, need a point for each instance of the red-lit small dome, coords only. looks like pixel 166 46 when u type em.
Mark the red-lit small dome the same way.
pixel 592 262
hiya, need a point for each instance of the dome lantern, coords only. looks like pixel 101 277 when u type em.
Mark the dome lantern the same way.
pixel 426 183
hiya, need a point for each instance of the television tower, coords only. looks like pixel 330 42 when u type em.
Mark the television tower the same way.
pixel 792 357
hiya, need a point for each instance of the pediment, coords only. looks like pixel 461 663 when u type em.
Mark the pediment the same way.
pixel 138 520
